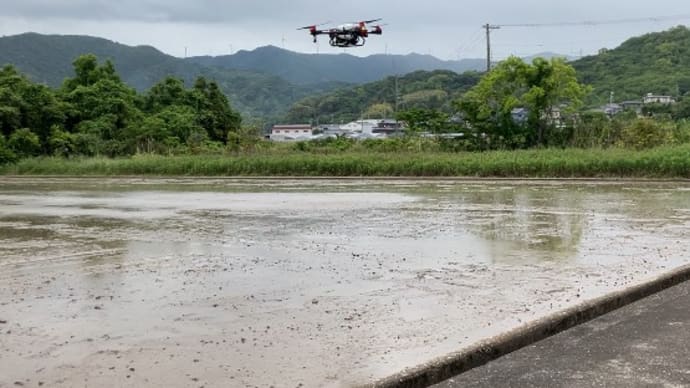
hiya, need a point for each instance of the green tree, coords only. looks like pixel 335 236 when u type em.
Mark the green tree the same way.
pixel 6 154
pixel 60 143
pixel 163 131
pixel 379 111
pixel 544 88
pixel 424 120
pixel 214 112
pixel 681 110
pixel 98 100
pixel 170 91
pixel 24 143
pixel 24 104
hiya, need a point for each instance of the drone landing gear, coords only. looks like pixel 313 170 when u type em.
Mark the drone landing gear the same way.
pixel 345 43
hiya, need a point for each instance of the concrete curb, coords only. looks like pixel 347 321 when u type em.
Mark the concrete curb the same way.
pixel 481 353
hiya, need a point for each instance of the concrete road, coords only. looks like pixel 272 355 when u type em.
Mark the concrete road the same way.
pixel 645 344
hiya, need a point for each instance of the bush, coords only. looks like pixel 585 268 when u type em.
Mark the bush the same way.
pixel 646 133
pixel 681 133
pixel 24 143
pixel 60 142
pixel 6 154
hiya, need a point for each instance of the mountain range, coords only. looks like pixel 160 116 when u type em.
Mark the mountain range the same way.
pixel 305 69
pixel 262 83
pixel 266 82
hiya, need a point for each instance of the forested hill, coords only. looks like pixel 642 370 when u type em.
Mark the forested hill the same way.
pixel 48 59
pixel 656 63
pixel 317 68
pixel 421 90
pixel 267 81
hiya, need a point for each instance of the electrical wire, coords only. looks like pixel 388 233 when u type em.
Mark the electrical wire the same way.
pixel 602 22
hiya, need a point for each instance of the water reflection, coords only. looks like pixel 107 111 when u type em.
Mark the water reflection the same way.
pixel 547 221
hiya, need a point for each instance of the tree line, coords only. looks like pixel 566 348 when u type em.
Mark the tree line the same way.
pixel 96 113
pixel 517 105
pixel 522 105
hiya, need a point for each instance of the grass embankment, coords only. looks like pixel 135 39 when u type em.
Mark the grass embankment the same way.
pixel 666 162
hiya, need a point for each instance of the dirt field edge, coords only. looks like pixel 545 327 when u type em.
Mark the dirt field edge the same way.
pixel 485 351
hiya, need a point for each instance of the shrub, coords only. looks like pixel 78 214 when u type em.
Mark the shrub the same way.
pixel 646 133
pixel 24 143
pixel 6 154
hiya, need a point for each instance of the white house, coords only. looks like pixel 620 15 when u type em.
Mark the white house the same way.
pixel 363 126
pixel 657 99
pixel 281 132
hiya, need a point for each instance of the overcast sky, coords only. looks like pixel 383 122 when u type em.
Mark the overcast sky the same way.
pixel 448 29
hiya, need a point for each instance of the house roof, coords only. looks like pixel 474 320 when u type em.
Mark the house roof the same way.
pixel 292 126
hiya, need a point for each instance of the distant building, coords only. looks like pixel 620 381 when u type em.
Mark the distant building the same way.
pixel 635 106
pixel 331 130
pixel 657 99
pixel 281 132
pixel 363 126
pixel 382 126
pixel 612 109
pixel 519 115
pixel 388 127
pixel 553 117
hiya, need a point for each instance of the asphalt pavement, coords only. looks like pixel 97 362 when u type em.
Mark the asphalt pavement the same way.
pixel 644 344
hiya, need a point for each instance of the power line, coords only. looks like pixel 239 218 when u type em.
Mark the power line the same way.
pixel 471 42
pixel 602 22
pixel 489 27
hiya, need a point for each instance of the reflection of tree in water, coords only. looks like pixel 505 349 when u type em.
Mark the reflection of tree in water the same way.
pixel 654 201
pixel 542 218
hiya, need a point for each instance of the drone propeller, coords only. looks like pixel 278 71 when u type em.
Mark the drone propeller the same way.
pixel 371 21
pixel 312 26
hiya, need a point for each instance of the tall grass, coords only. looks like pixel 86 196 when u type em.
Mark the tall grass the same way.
pixel 661 162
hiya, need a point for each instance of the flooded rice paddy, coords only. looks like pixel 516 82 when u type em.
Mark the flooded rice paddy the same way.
pixel 218 283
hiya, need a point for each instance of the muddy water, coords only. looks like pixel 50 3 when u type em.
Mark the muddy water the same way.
pixel 217 283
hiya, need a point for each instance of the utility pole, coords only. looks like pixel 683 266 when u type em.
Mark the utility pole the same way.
pixel 397 98
pixel 488 27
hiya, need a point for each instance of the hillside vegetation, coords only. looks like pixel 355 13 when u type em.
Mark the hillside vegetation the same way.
pixel 94 113
pixel 304 69
pixel 433 90
pixel 48 59
pixel 269 83
pixel 656 63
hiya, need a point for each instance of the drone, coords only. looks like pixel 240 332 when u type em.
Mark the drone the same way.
pixel 346 35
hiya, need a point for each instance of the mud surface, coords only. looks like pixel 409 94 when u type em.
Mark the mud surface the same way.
pixel 217 283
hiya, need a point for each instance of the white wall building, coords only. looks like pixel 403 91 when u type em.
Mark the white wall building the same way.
pixel 363 126
pixel 291 132
pixel 656 99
